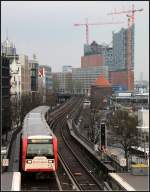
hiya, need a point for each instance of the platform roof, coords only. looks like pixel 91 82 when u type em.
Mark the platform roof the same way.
pixel 102 82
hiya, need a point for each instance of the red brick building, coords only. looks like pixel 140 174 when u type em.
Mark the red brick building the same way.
pixel 100 93
pixel 89 61
pixel 121 78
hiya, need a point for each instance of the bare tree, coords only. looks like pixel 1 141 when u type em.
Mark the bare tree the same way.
pixel 6 122
pixel 124 126
pixel 86 123
pixel 15 112
pixel 27 103
pixel 51 99
pixel 56 84
pixel 95 116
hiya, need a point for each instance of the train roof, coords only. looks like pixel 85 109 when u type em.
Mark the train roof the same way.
pixel 35 124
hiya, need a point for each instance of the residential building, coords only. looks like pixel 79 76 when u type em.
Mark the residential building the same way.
pixel 34 67
pixel 20 82
pixel 9 49
pixel 19 70
pixel 62 82
pixel 83 78
pixel 15 71
pixel 5 87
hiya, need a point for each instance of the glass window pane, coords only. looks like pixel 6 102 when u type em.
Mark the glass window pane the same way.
pixel 40 149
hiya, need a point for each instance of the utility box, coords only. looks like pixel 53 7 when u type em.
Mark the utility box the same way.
pixel 103 137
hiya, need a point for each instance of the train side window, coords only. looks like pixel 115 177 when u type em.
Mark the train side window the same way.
pixel 40 149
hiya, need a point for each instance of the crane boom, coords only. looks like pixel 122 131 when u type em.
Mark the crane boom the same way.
pixel 119 12
pixel 127 12
pixel 78 24
pixel 91 24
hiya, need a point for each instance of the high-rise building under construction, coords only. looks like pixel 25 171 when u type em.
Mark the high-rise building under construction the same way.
pixel 120 49
pixel 120 71
pixel 96 55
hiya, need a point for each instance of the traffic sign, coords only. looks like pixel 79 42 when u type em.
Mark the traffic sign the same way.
pixel 123 162
pixel 5 162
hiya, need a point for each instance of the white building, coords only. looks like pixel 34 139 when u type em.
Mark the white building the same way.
pixel 143 127
pixel 8 47
pixel 62 82
pixel 15 81
pixel 20 77
pixel 66 69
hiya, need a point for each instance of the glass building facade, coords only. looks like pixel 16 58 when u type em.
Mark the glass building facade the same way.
pixel 120 49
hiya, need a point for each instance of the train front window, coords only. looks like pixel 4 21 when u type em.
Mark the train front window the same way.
pixel 40 149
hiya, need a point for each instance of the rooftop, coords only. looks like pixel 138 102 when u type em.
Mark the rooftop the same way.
pixel 102 82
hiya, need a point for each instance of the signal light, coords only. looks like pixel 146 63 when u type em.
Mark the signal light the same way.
pixel 103 137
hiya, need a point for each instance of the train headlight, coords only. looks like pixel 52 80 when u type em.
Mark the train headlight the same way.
pixel 50 161
pixel 29 161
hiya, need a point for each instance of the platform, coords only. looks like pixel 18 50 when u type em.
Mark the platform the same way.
pixel 11 181
pixel 90 149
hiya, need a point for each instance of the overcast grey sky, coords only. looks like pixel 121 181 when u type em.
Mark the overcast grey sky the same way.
pixel 46 29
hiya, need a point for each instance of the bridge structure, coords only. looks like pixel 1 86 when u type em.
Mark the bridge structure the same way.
pixel 62 97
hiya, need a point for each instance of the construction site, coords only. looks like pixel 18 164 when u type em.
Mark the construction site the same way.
pixel 117 55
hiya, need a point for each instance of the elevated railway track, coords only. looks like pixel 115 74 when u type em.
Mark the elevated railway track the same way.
pixel 73 156
pixel 74 166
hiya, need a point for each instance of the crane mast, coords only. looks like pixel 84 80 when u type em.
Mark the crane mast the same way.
pixel 131 20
